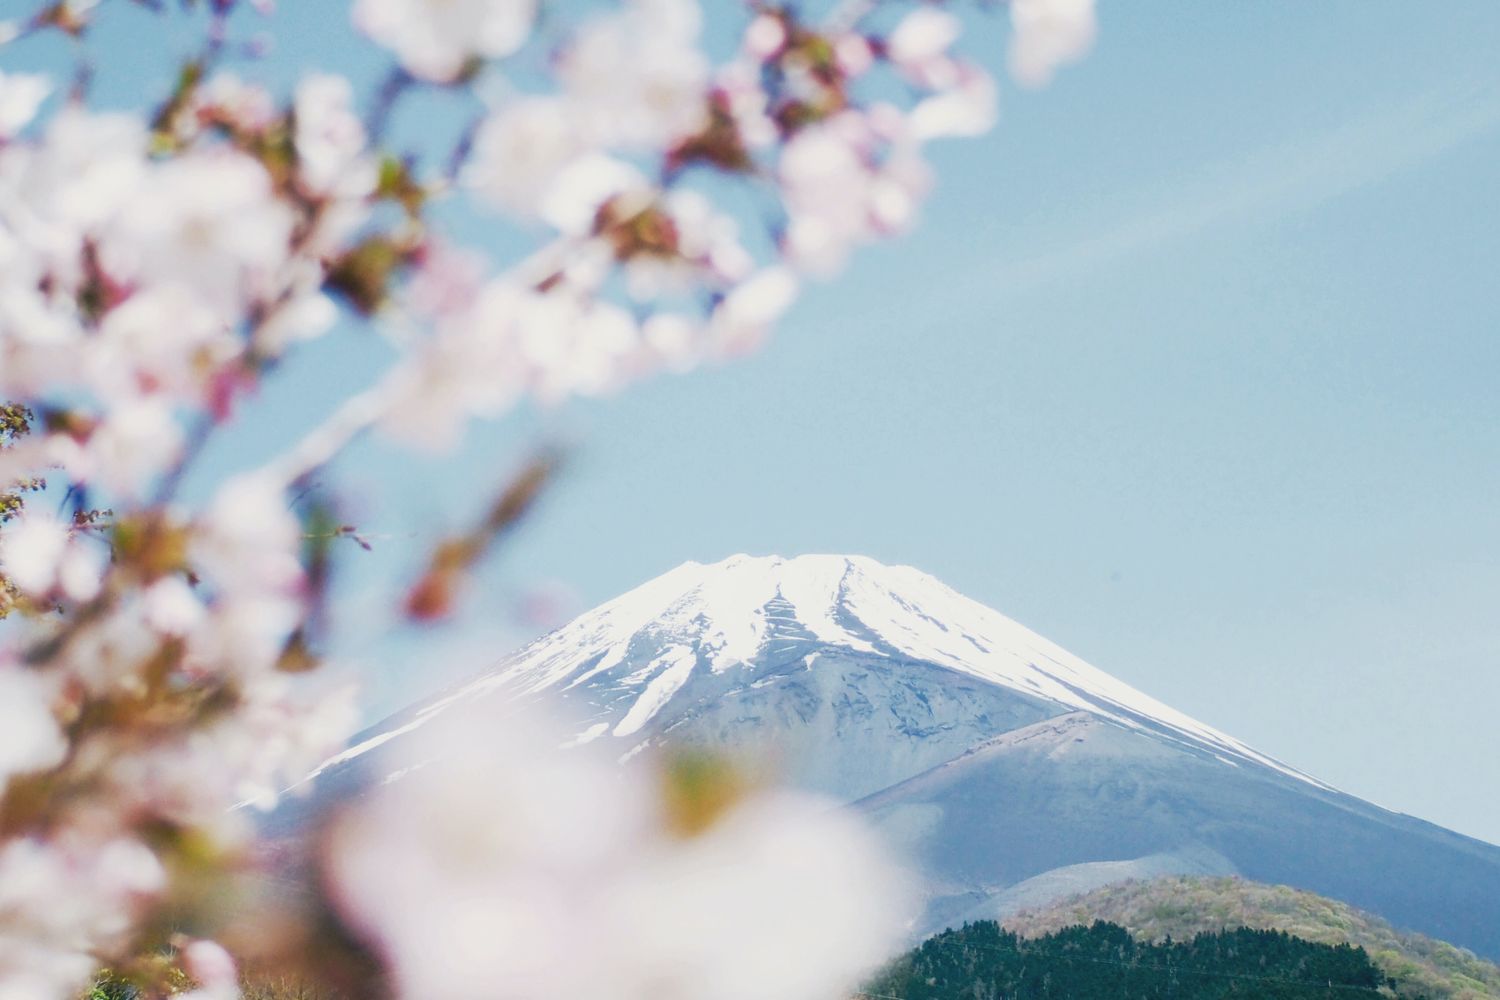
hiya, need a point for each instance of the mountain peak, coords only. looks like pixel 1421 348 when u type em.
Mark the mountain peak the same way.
pixel 747 617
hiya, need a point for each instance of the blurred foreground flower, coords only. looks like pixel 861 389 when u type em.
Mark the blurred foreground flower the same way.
pixel 501 867
pixel 669 200
pixel 1048 35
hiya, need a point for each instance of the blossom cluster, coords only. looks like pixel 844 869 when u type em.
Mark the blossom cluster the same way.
pixel 158 265
pixel 500 866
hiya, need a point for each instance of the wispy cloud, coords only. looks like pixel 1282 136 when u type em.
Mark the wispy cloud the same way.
pixel 1283 179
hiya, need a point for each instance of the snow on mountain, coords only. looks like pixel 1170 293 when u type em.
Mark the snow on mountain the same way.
pixel 1001 766
pixel 733 615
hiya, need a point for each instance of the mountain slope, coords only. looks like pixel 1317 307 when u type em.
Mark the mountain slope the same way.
pixel 1008 770
pixel 1080 789
pixel 1183 907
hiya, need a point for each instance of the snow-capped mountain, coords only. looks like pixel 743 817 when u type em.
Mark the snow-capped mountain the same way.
pixel 701 636
pixel 1008 770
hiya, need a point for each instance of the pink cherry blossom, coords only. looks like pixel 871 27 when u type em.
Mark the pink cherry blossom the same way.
pixel 663 192
pixel 30 738
pixel 21 95
pixel 1047 35
pixel 433 39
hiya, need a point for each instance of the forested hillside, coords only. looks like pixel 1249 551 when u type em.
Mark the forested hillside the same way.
pixel 1181 907
pixel 982 961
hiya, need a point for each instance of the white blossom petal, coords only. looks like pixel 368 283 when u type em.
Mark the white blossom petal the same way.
pixel 433 39
pixel 30 739
pixel 1047 35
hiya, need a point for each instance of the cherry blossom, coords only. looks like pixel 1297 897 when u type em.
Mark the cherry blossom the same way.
pixel 213 969
pixel 1048 34
pixel 330 139
pixel 44 556
pixel 500 867
pixel 30 739
pixel 922 40
pixel 844 185
pixel 62 901
pixel 967 108
pixel 519 152
pixel 161 674
pixel 636 77
pixel 746 315
pixel 207 222
pixel 21 95
pixel 136 441
pixel 162 340
pixel 434 39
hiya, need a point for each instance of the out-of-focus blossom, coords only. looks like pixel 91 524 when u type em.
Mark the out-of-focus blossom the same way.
pixel 104 660
pixel 62 902
pixel 330 139
pixel 156 267
pixel 571 202
pixel 745 317
pixel 825 178
pixel 21 94
pixel 530 159
pixel 446 282
pixel 31 551
pixel 30 739
pixel 57 194
pixel 248 540
pixel 171 607
pixel 519 152
pixel 213 970
pixel 435 39
pixel 842 188
pixel 226 98
pixel 304 311
pixel 511 341
pixel 740 96
pixel 1047 35
pixel 922 39
pixel 246 551
pixel 160 340
pixel 578 348
pixel 706 250
pixel 470 366
pixel 500 867
pixel 787 875
pixel 44 556
pixel 136 441
pixel 495 344
pixel 967 108
pixel 674 340
pixel 764 37
pixel 58 191
pixel 277 736
pixel 208 222
pixel 637 77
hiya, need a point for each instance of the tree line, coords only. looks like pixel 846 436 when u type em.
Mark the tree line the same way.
pixel 983 961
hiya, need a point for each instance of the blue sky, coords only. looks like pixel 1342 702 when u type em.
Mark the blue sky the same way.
pixel 1191 367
